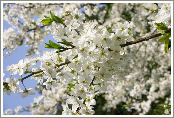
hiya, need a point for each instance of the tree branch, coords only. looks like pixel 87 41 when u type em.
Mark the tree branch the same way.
pixel 144 39
pixel 32 74
pixel 36 28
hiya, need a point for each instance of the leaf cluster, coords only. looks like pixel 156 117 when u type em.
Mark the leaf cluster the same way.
pixel 49 20
pixel 167 34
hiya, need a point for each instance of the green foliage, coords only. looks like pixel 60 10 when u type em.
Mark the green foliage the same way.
pixel 5 86
pixel 52 45
pixel 161 26
pixel 158 108
pixel 40 12
pixel 49 20
pixel 46 16
pixel 166 45
pixel 65 43
pixel 167 34
pixel 21 42
pixel 34 23
pixel 154 11
pixel 109 30
pixel 164 38
pixel 75 56
pixel 56 19
pixel 71 85
pixel 6 10
pixel 126 15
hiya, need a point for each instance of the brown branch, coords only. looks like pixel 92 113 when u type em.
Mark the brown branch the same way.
pixel 32 74
pixel 144 39
pixel 36 28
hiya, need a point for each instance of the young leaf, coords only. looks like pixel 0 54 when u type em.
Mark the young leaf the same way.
pixel 155 11
pixel 21 42
pixel 54 45
pixel 66 43
pixel 109 30
pixel 163 38
pixel 34 23
pixel 52 16
pixel 161 26
pixel 47 21
pixel 59 20
pixel 39 12
pixel 46 16
pixel 75 56
pixel 166 45
pixel 48 46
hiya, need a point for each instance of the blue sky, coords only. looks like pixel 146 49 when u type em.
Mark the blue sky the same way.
pixel 14 100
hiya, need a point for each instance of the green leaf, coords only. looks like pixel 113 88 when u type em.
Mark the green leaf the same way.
pixel 21 42
pixel 67 13
pixel 40 12
pixel 26 71
pixel 163 38
pixel 59 20
pixel 109 30
pixel 48 46
pixel 76 17
pixel 47 21
pixel 155 11
pixel 65 43
pixel 166 45
pixel 34 23
pixel 147 9
pixel 75 56
pixel 161 26
pixel 52 16
pixel 6 10
pixel 54 45
pixel 5 86
pixel 65 34
pixel 71 85
pixel 46 16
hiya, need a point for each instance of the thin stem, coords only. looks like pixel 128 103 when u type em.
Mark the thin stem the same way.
pixel 143 39
pixel 36 28
pixel 32 74
pixel 20 22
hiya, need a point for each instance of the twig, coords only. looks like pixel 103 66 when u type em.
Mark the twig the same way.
pixel 92 81
pixel 36 28
pixel 143 39
pixel 20 22
pixel 140 40
pixel 32 74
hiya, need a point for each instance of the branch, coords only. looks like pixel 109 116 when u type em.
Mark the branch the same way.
pixel 144 39
pixel 32 74
pixel 20 22
pixel 36 28
pixel 56 65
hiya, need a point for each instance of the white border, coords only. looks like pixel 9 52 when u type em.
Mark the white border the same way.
pixel 86 2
